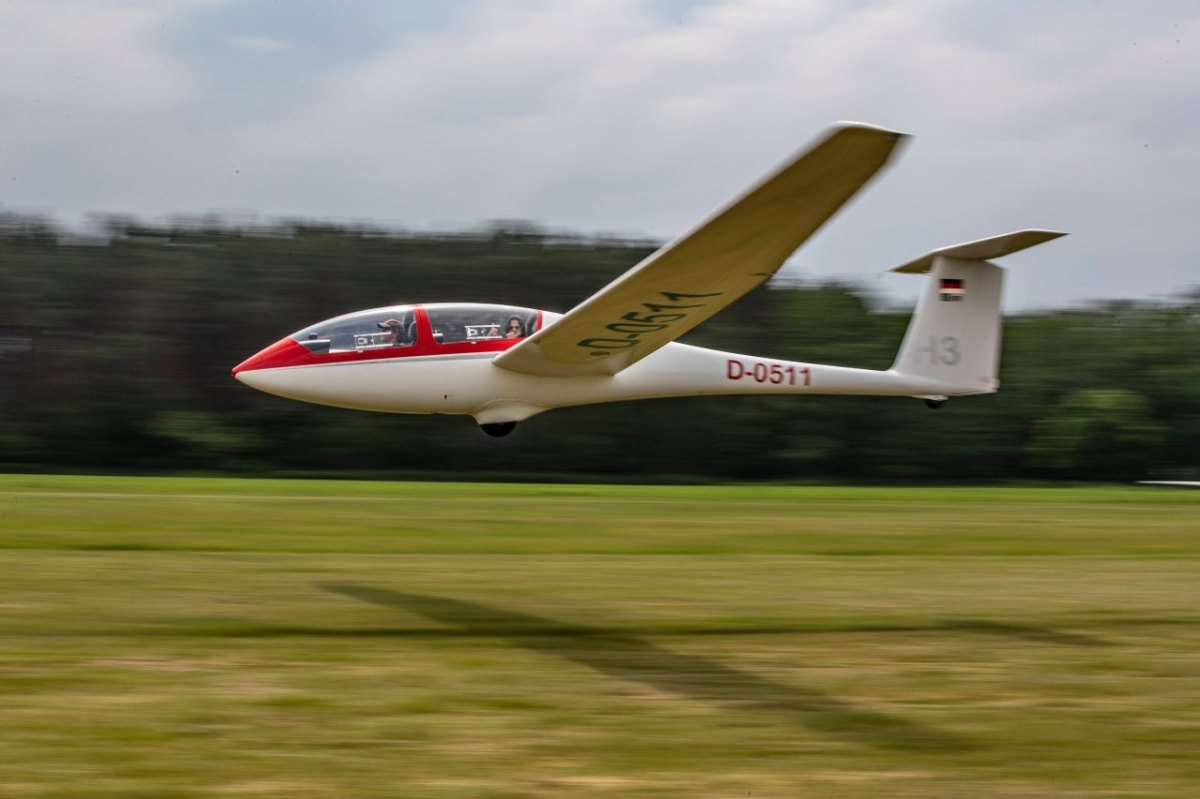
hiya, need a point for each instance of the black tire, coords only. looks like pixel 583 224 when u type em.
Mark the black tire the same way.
pixel 498 429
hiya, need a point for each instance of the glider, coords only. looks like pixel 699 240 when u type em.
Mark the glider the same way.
pixel 504 364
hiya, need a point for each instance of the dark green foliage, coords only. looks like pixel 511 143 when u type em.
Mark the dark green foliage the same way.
pixel 115 354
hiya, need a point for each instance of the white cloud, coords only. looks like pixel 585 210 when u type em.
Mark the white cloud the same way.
pixel 84 56
pixel 608 116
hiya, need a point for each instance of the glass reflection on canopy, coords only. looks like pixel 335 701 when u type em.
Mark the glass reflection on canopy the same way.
pixel 376 329
pixel 477 322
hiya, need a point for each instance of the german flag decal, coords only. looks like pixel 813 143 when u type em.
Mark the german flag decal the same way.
pixel 951 290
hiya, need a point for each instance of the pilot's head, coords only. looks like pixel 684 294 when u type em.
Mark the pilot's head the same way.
pixel 393 326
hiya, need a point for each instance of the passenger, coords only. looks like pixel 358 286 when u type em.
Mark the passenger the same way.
pixel 515 328
pixel 395 330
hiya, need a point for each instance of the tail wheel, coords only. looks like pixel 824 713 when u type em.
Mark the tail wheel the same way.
pixel 498 429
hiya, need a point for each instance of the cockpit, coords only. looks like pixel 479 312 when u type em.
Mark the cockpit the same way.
pixel 452 324
pixel 379 328
pixel 400 331
pixel 384 330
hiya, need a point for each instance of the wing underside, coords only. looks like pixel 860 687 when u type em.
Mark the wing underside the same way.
pixel 688 280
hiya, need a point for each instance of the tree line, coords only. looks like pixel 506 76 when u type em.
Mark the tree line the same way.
pixel 116 349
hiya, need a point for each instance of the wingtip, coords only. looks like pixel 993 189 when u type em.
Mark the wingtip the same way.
pixel 852 125
pixel 1050 234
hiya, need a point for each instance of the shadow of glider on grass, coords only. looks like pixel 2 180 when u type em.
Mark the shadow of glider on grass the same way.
pixel 628 657
pixel 503 364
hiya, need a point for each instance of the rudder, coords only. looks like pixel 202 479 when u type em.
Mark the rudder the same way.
pixel 954 336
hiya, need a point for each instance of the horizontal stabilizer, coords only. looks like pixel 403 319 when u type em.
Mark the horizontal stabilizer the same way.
pixel 982 249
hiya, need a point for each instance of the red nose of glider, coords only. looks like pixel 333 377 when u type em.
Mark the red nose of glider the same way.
pixel 284 352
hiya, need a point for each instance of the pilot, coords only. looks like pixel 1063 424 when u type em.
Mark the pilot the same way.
pixel 395 329
pixel 515 328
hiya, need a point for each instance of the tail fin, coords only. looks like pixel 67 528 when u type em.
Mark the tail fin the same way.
pixel 954 335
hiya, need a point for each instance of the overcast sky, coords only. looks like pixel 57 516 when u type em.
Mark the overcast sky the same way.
pixel 635 117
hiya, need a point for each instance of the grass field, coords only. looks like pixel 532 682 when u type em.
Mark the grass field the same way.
pixel 252 638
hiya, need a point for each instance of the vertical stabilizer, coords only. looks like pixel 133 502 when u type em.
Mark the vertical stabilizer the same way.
pixel 954 335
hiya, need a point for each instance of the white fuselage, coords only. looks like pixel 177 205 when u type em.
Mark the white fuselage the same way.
pixel 471 384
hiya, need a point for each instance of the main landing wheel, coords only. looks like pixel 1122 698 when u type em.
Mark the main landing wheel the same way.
pixel 498 429
pixel 935 403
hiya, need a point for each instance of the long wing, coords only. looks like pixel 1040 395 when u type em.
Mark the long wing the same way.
pixel 685 282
